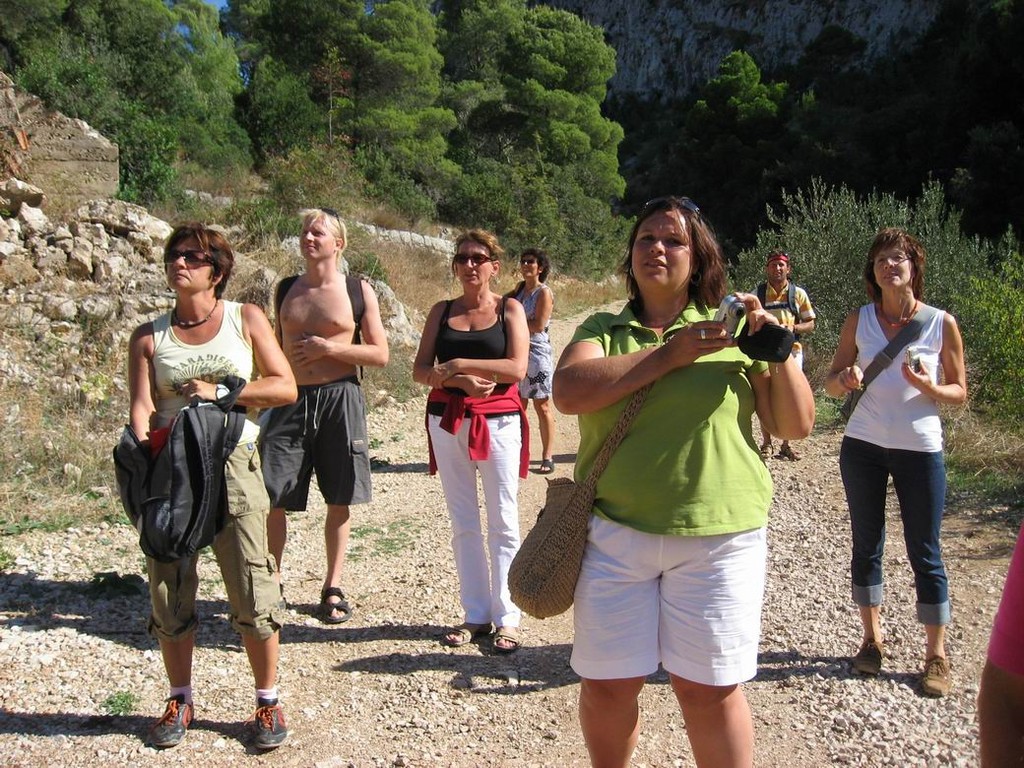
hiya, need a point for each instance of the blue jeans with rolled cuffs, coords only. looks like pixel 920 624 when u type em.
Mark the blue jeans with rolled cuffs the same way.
pixel 920 481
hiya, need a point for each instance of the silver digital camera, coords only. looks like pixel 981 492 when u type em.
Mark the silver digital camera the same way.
pixel 730 312
pixel 913 360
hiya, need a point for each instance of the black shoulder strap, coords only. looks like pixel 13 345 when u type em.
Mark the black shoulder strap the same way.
pixel 907 334
pixel 447 311
pixel 762 292
pixel 282 290
pixel 792 301
pixel 354 286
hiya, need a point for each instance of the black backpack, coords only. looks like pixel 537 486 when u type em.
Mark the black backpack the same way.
pixel 176 499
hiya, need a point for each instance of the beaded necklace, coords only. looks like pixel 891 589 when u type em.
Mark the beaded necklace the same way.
pixel 175 320
pixel 902 320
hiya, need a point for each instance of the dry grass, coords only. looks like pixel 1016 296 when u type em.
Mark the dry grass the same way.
pixel 420 277
pixel 983 447
pixel 55 449
pixel 573 295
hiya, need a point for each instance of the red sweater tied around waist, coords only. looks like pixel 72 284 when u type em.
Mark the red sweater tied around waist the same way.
pixel 457 406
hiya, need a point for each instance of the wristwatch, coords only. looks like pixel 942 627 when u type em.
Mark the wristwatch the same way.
pixel 222 391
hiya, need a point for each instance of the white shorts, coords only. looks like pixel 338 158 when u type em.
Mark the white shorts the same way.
pixel 690 603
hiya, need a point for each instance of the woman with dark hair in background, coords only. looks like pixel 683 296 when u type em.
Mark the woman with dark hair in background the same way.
pixel 472 355
pixel 538 301
pixel 895 431
pixel 184 356
pixel 674 567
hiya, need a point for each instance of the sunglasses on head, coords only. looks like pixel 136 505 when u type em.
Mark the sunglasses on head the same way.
pixel 330 212
pixel 670 201
pixel 466 258
pixel 193 258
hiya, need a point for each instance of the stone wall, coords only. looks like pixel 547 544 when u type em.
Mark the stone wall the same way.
pixel 62 155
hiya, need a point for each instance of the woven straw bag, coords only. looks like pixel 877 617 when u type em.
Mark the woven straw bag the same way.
pixel 543 574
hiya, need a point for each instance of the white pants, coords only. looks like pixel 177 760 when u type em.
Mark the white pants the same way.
pixel 485 596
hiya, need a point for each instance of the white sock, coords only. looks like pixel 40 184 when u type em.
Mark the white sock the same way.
pixel 267 694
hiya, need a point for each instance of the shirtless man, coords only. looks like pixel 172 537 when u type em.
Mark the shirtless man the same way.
pixel 325 430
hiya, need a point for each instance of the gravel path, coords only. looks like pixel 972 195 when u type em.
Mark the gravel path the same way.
pixel 381 690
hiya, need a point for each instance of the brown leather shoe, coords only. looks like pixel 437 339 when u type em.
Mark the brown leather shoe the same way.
pixel 935 680
pixel 868 660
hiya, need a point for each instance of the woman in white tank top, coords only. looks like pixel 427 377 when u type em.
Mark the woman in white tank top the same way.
pixel 182 357
pixel 895 431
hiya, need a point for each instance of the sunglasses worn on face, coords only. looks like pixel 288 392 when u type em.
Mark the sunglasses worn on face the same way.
pixel 463 259
pixel 524 262
pixel 193 259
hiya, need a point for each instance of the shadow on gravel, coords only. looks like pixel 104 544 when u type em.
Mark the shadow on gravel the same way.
pixel 476 668
pixel 783 665
pixel 76 724
pixel 111 606
pixel 384 467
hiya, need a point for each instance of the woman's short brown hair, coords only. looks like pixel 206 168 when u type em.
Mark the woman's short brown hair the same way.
pixel 213 242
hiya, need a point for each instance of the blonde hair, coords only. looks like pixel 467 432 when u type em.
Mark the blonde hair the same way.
pixel 330 218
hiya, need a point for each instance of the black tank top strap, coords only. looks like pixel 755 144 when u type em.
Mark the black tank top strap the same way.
pixel 447 311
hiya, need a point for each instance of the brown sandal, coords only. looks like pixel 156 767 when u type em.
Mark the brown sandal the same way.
pixel 509 636
pixel 465 633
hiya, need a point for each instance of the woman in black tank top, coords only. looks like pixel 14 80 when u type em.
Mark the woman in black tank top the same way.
pixel 472 354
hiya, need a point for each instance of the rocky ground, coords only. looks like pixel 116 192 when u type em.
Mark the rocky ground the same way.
pixel 382 691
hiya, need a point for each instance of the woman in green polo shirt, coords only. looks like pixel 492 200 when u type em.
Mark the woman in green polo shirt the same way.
pixel 674 568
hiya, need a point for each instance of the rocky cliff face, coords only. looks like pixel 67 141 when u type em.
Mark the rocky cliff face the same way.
pixel 666 47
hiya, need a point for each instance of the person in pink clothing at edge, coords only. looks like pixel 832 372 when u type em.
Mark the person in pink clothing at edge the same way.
pixel 1001 696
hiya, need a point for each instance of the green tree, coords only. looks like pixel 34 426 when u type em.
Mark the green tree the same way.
pixel 537 156
pixel 157 78
pixel 732 145
pixel 297 33
pixel 990 312
pixel 394 111
pixel 213 138
pixel 17 15
pixel 278 110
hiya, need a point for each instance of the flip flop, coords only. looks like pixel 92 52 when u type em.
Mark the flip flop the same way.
pixel 547 466
pixel 509 636
pixel 465 633
pixel 327 608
